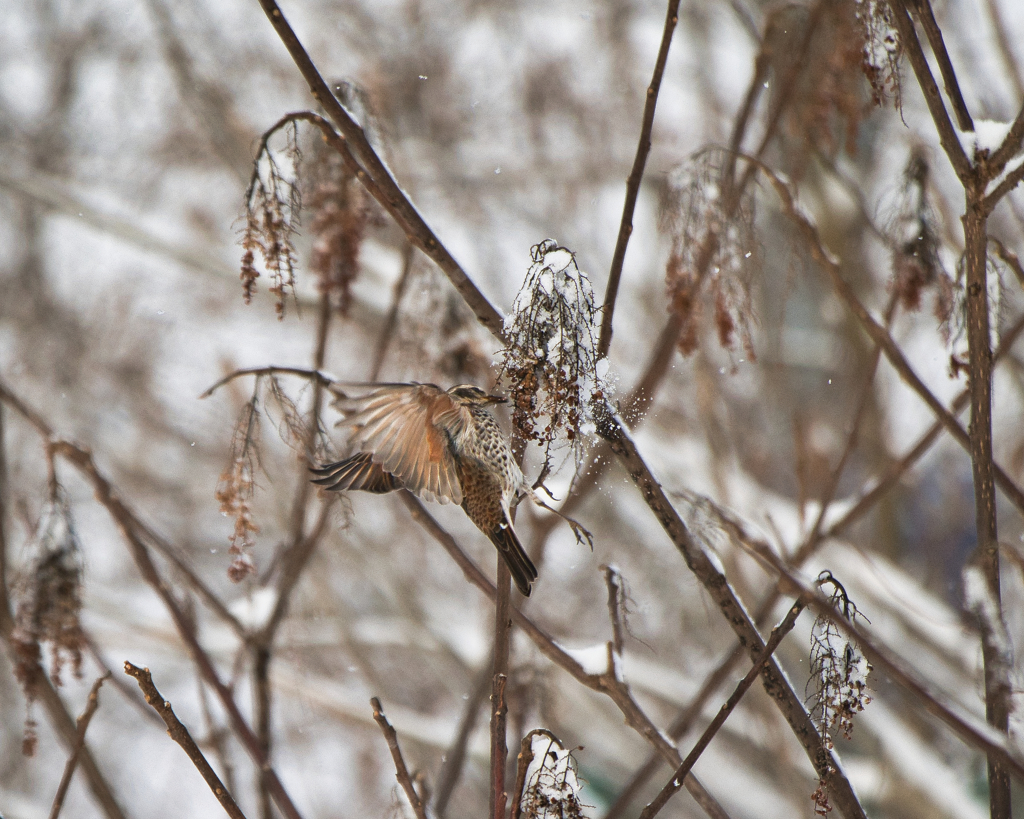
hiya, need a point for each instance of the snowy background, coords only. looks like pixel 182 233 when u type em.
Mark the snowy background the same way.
pixel 127 134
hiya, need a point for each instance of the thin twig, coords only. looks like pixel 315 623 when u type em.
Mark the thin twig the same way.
pixel 636 175
pixel 401 772
pixel 947 136
pixel 881 657
pixel 130 527
pixel 938 44
pixel 499 709
pixel 673 785
pixel 179 733
pixel 612 429
pixel 92 703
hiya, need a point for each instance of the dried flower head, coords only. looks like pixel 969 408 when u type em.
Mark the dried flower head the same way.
pixel 913 232
pixel 713 249
pixel 551 360
pixel 273 206
pixel 881 50
pixel 839 678
pixel 341 212
pixel 236 488
pixel 551 785
pixel 48 605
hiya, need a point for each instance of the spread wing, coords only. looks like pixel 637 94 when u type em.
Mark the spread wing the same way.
pixel 408 428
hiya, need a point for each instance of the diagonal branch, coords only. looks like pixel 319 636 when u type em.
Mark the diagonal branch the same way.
pixel 947 136
pixel 636 176
pixel 672 786
pixel 179 733
pixel 401 771
pixel 949 81
pixel 605 683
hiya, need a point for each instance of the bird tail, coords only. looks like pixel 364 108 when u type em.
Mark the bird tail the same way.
pixel 356 472
pixel 515 557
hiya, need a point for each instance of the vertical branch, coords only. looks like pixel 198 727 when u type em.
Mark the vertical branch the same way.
pixel 633 183
pixel 499 709
pixel 986 555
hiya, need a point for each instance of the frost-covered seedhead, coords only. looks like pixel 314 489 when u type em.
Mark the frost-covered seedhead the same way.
pixel 551 360
pixel 273 205
pixel 48 603
pixel 839 678
pixel 551 785
pixel 881 50
pixel 714 251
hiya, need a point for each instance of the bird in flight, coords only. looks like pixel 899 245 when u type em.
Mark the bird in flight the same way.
pixel 442 445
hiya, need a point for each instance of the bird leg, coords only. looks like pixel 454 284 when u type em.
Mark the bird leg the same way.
pixel 578 529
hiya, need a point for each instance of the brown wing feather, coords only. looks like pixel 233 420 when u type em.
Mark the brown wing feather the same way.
pixel 357 472
pixel 403 427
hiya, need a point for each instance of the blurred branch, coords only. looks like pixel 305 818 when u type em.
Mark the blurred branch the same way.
pixel 387 332
pixel 383 188
pixel 455 756
pixel 54 193
pixel 179 733
pixel 61 720
pixel 633 182
pixel 82 725
pixel 1010 61
pixel 672 786
pixel 401 772
pixel 875 330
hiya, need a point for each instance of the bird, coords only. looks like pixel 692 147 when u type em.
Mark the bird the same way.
pixel 441 445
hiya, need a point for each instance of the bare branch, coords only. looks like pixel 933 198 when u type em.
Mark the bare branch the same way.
pixel 179 733
pixel 633 182
pixel 401 772
pixel 947 136
pixel 92 703
pixel 935 40
pixel 673 785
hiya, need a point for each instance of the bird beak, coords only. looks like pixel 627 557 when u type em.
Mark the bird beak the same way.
pixel 497 399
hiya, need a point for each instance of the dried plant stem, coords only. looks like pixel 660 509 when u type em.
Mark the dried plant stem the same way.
pixel 949 81
pixel 179 733
pixel 636 176
pixel 986 554
pixel 499 709
pixel 401 772
pixel 82 724
pixel 674 784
